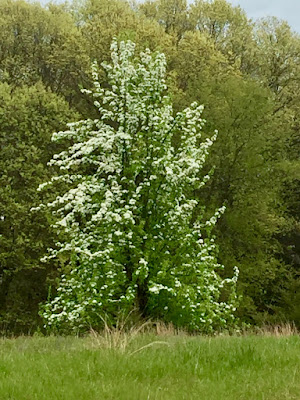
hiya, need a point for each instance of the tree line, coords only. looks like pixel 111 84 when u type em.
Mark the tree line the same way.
pixel 247 75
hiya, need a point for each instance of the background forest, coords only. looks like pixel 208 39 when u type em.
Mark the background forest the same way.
pixel 246 74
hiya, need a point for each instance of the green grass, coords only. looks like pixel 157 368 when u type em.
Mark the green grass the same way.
pixel 180 367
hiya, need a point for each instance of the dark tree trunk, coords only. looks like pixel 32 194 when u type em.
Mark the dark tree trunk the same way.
pixel 142 298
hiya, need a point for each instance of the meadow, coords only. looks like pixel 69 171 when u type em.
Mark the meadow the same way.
pixel 148 366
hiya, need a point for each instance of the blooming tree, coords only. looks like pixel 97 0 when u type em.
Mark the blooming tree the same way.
pixel 133 228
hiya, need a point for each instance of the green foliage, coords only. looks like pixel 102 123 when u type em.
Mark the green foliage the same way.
pixel 28 116
pixel 171 14
pixel 226 25
pixel 101 21
pixel 39 44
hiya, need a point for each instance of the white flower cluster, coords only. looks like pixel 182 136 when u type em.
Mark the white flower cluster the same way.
pixel 128 219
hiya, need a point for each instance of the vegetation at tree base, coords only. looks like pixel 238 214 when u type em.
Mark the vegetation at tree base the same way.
pixel 247 75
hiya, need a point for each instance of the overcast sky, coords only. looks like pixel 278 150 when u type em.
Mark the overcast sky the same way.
pixel 285 9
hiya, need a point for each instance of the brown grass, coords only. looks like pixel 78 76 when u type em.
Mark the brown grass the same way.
pixel 124 332
pixel 287 329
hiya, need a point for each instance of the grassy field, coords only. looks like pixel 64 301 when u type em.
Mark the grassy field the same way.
pixel 150 367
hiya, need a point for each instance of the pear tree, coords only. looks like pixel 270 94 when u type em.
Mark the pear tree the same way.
pixel 129 220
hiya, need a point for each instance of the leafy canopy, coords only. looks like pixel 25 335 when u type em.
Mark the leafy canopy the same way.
pixel 132 223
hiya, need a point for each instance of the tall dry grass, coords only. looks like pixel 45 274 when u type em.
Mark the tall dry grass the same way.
pixel 121 334
pixel 287 329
